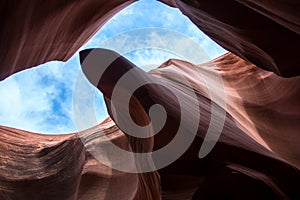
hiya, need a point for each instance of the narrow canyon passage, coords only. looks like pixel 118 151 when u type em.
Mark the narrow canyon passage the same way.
pixel 255 153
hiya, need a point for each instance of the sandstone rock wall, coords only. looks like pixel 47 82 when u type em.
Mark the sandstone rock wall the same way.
pixel 258 147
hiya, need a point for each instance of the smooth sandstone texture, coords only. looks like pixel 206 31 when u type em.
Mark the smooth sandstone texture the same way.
pixel 258 146
pixel 33 33
pixel 252 149
pixel 245 156
pixel 36 166
pixel 263 32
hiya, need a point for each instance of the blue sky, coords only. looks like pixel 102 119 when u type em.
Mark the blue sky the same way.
pixel 147 32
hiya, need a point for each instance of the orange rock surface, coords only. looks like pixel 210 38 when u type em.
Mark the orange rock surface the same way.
pixel 257 155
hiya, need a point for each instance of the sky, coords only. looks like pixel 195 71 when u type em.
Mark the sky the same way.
pixel 147 33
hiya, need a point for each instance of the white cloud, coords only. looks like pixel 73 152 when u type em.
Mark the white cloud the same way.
pixel 21 110
pixel 40 99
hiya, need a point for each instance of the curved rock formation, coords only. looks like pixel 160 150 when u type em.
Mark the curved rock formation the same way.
pixel 35 166
pixel 258 147
pixel 262 32
pixel 250 107
pixel 34 33
pixel 61 167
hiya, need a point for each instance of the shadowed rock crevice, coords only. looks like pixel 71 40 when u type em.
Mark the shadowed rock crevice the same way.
pixel 258 147
pixel 240 143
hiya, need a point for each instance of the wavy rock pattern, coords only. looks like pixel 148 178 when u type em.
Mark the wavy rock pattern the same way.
pixel 35 166
pixel 249 99
pixel 34 33
pixel 258 147
pixel 264 33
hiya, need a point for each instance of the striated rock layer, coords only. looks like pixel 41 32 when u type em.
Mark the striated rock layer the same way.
pixel 35 166
pixel 250 160
pixel 33 33
pixel 252 140
pixel 257 154
pixel 262 32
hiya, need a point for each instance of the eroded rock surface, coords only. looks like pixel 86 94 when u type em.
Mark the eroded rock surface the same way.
pixel 252 140
pixel 258 147
pixel 262 32
pixel 33 33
